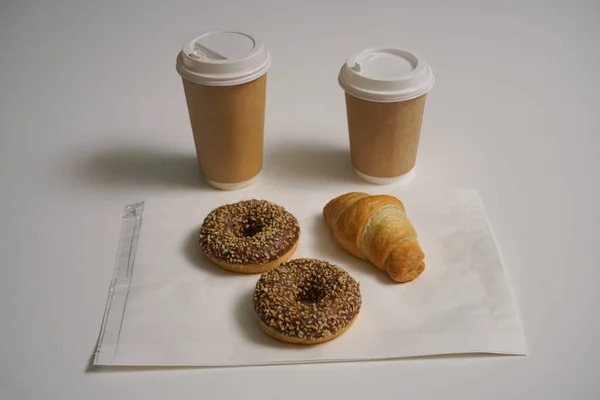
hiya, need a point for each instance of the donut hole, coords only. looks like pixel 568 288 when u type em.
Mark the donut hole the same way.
pixel 309 294
pixel 252 227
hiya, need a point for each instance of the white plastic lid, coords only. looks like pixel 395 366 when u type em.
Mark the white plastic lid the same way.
pixel 222 58
pixel 385 74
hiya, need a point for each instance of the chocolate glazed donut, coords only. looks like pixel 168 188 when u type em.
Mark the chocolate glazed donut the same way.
pixel 251 236
pixel 306 301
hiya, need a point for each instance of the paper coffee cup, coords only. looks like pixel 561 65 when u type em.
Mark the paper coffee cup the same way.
pixel 224 79
pixel 385 90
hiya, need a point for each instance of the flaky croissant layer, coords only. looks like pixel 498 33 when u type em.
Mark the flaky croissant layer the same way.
pixel 375 228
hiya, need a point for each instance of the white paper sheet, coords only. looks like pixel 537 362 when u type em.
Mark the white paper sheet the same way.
pixel 176 308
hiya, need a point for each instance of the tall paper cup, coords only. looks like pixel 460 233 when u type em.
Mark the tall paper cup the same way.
pixel 224 80
pixel 385 90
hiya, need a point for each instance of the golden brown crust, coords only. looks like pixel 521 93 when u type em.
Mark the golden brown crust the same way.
pixel 376 228
pixel 333 210
pixel 296 340
pixel 335 215
pixel 253 268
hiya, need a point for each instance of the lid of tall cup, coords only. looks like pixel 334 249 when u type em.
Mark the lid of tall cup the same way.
pixel 386 74
pixel 223 58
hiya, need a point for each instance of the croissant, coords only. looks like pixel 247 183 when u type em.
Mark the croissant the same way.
pixel 375 228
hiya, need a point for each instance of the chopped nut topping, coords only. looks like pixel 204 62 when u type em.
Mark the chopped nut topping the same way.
pixel 314 298
pixel 248 232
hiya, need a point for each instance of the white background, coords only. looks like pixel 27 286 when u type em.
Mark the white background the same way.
pixel 92 116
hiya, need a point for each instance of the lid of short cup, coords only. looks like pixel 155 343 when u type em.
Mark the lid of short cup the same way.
pixel 386 74
pixel 222 58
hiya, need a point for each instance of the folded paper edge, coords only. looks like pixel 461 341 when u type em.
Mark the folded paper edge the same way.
pixel 120 283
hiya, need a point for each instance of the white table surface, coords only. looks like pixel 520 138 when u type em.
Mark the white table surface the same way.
pixel 92 116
